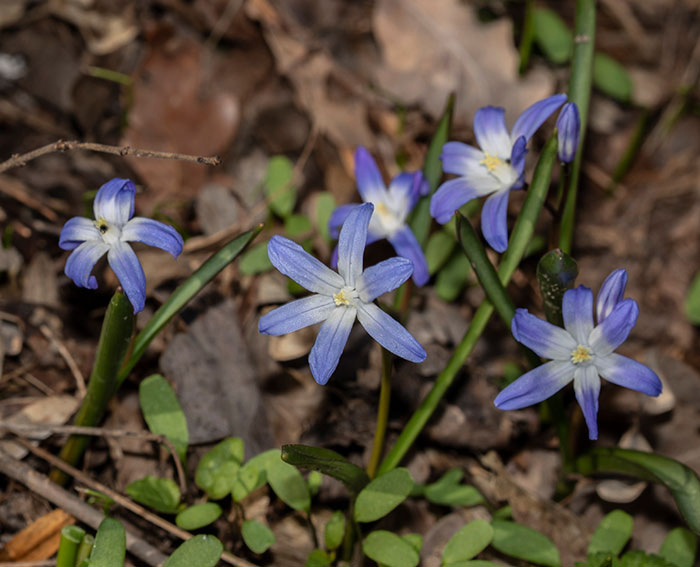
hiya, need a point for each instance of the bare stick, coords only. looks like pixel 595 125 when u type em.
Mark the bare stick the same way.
pixel 63 146
pixel 68 358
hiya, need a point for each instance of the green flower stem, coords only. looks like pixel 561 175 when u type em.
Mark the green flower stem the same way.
pixel 528 36
pixel 580 93
pixel 382 414
pixel 84 550
pixel 631 151
pixel 522 233
pixel 71 537
pixel 112 347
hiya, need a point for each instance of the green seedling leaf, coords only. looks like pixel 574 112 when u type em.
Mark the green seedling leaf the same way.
pixel 258 537
pixel 382 495
pixel 414 540
pixel 612 534
pixel 467 543
pixel 163 412
pixel 161 494
pixel 556 273
pixel 680 547
pixel 327 462
pixel 297 225
pixel 448 492
pixel 109 549
pixel 217 470
pixel 505 513
pixel 552 35
pixel 335 531
pixel 611 77
pixel 453 277
pixel 475 563
pixel 692 301
pixel 288 484
pixel 437 252
pixel 253 474
pixel 524 543
pixel 201 550
pixel 318 558
pixel 314 481
pixel 255 261
pixel 279 187
pixel 198 516
pixel 325 205
pixel 638 558
pixel 389 549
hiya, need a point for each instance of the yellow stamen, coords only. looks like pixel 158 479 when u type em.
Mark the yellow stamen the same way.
pixel 102 225
pixel 340 298
pixel 491 162
pixel 382 209
pixel 581 354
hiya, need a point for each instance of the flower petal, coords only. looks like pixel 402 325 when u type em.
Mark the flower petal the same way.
pixel 536 385
pixel 114 201
pixel 406 246
pixel 369 180
pixel 404 191
pixel 611 293
pixel 587 389
pixel 82 260
pixel 517 156
pixel 295 262
pixel 577 312
pixel 389 333
pixel 547 340
pixel 494 220
pixel 153 233
pixel 329 345
pixel 351 243
pixel 533 117
pixel 76 231
pixel 296 315
pixel 459 158
pixel 338 217
pixel 371 238
pixel 491 132
pixel 127 267
pixel 383 277
pixel 612 332
pixel 450 196
pixel 628 373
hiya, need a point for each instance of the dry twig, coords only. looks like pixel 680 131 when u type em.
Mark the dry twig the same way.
pixel 68 358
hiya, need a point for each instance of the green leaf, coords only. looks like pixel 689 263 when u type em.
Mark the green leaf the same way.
pixel 382 495
pixel 389 549
pixel 612 534
pixel 448 492
pixel 468 542
pixel 253 474
pixel 438 250
pixel 327 462
pixel 556 273
pixel 161 494
pixel 109 549
pixel 692 301
pixel 255 261
pixel 524 543
pixel 258 537
pixel 680 547
pixel 288 484
pixel 414 540
pixel 611 77
pixel 552 35
pixel 325 205
pixel 217 470
pixel 318 558
pixel 638 558
pixel 475 563
pixel 201 550
pixel 297 225
pixel 163 412
pixel 278 186
pixel 335 531
pixel 198 516
pixel 314 481
pixel 453 277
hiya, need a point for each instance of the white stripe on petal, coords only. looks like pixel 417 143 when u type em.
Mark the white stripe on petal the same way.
pixel 587 389
pixel 296 315
pixel 389 333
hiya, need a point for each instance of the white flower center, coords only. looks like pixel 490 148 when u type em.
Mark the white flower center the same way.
pixel 385 221
pixel 345 296
pixel 499 168
pixel 581 354
pixel 110 232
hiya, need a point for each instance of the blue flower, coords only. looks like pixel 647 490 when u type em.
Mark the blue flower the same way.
pixel 580 352
pixel 340 297
pixel 568 130
pixel 391 207
pixel 495 169
pixel 110 234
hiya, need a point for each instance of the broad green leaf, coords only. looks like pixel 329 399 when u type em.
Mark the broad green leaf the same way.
pixel 453 277
pixel 163 412
pixel 382 495
pixel 389 549
pixel 109 549
pixel 253 474
pixel 556 273
pixel 327 462
pixel 524 543
pixel 414 540
pixel 467 543
pixel 680 547
pixel 198 516
pixel 318 558
pixel 279 187
pixel 161 494
pixel 611 77
pixel 335 531
pixel 297 225
pixel 325 204
pixel 476 563
pixel 438 250
pixel 255 260
pixel 218 468
pixel 692 301
pixel 201 550
pixel 258 537
pixel 288 484
pixel 552 35
pixel 448 492
pixel 612 534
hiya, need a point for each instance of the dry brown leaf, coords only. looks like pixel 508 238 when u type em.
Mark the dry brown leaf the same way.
pixel 39 534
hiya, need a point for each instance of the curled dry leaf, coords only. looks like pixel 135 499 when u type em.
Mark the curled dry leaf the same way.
pixel 625 491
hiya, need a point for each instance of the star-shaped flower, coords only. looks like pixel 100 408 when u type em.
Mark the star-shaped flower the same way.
pixel 580 351
pixel 110 233
pixel 495 168
pixel 391 209
pixel 340 297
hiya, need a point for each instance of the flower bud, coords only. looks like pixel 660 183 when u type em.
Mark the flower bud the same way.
pixel 568 130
